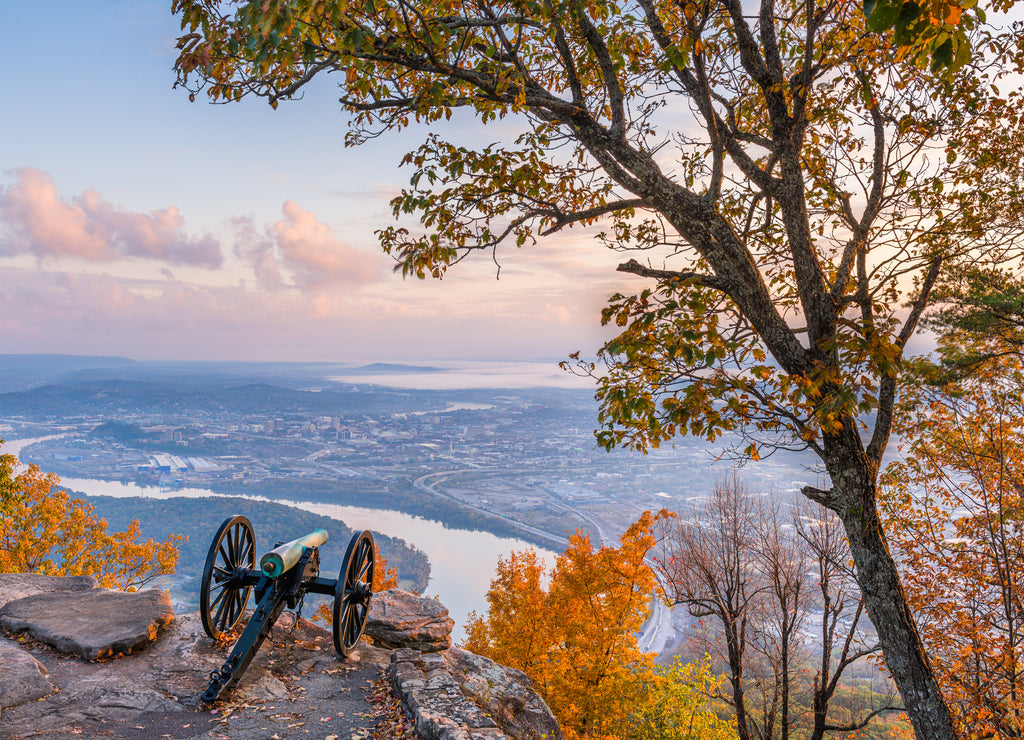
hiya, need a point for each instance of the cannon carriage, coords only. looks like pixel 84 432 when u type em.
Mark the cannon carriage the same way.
pixel 285 575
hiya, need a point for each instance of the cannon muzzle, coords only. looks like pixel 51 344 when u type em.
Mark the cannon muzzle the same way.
pixel 284 557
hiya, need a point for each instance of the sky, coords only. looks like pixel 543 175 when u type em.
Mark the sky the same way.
pixel 136 223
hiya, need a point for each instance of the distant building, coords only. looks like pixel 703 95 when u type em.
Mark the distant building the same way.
pixel 202 465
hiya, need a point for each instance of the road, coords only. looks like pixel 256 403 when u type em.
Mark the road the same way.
pixel 658 630
pixel 421 483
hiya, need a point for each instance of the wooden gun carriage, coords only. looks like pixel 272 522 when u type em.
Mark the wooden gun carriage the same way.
pixel 286 574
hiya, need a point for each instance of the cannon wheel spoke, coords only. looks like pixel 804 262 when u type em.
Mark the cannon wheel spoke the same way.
pixel 223 594
pixel 352 593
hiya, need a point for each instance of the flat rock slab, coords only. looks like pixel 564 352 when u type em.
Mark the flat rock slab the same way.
pixel 24 677
pixel 98 623
pixel 15 586
pixel 399 619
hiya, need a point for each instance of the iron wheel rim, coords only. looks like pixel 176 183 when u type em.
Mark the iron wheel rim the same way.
pixel 223 596
pixel 353 592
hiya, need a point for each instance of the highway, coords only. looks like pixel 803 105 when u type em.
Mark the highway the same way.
pixel 658 631
pixel 421 483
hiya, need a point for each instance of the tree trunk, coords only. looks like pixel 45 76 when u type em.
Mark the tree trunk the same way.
pixel 854 497
pixel 735 654
pixel 785 677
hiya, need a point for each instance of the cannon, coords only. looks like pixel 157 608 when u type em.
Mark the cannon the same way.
pixel 286 574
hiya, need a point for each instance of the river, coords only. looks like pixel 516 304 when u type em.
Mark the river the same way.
pixel 462 561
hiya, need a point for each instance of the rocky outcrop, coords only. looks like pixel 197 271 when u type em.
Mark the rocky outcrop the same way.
pixel 92 624
pixel 504 693
pixel 19 585
pixel 399 619
pixel 24 678
pixel 452 694
pixel 295 680
pixel 457 695
pixel 295 686
pixel 439 709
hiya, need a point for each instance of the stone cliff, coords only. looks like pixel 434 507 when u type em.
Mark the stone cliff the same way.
pixel 78 660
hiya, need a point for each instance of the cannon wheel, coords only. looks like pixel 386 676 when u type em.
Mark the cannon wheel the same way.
pixel 223 594
pixel 352 593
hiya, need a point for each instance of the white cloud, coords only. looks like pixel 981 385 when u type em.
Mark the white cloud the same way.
pixel 38 221
pixel 302 251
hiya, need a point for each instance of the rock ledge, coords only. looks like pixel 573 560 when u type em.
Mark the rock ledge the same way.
pixel 399 619
pixel 295 688
pixel 92 624
pixel 448 699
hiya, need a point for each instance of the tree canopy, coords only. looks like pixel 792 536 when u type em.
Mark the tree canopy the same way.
pixel 573 631
pixel 933 33
pixel 44 530
pixel 980 317
pixel 956 507
pixel 795 192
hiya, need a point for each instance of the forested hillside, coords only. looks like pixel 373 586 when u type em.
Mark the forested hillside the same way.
pixel 200 518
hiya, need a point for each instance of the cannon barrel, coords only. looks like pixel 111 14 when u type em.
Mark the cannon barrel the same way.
pixel 284 557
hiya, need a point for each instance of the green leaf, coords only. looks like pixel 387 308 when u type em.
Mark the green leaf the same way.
pixel 943 56
pixel 883 18
pixel 909 13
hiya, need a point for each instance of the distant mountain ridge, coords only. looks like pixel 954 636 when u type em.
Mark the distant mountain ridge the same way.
pixel 23 372
pixel 63 360
pixel 182 396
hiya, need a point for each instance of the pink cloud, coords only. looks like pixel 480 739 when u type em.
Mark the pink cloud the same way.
pixel 258 250
pixel 302 251
pixel 40 222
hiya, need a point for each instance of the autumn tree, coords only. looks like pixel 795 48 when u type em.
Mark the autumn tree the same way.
pixel 956 505
pixel 790 184
pixel 932 33
pixel 673 704
pixel 574 636
pixel 742 568
pixel 44 530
